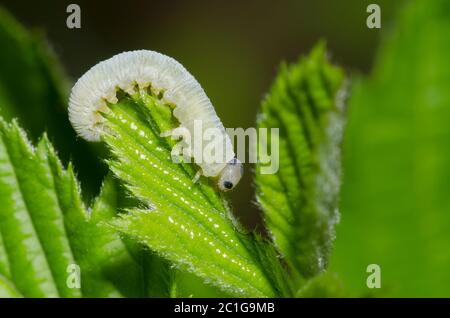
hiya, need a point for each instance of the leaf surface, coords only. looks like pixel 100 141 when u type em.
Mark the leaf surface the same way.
pixel 299 200
pixel 189 224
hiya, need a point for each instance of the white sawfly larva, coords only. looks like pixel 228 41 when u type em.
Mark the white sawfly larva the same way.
pixel 145 69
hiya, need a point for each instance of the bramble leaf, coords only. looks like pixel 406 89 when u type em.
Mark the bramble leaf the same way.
pixel 45 230
pixel 7 289
pixel 189 224
pixel 299 201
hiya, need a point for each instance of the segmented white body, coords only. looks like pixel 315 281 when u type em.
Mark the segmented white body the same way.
pixel 145 68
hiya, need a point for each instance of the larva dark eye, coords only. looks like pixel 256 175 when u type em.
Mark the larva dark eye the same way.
pixel 228 185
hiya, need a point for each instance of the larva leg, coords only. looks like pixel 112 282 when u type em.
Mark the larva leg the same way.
pixel 197 176
pixel 167 133
pixel 181 153
pixel 177 133
pixel 183 147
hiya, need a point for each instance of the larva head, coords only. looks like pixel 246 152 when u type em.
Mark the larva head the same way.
pixel 230 175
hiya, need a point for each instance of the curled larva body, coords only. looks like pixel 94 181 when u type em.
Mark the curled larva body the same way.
pixel 162 73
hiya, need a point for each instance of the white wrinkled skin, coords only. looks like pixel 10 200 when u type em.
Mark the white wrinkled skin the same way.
pixel 144 68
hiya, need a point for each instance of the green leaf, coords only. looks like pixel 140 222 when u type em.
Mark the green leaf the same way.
pixel 324 285
pixel 24 79
pixel 299 201
pixel 32 229
pixel 108 268
pixel 7 289
pixel 34 88
pixel 396 171
pixel 189 224
pixel 190 285
pixel 45 228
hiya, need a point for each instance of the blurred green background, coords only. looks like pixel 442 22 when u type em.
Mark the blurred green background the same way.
pixel 395 203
